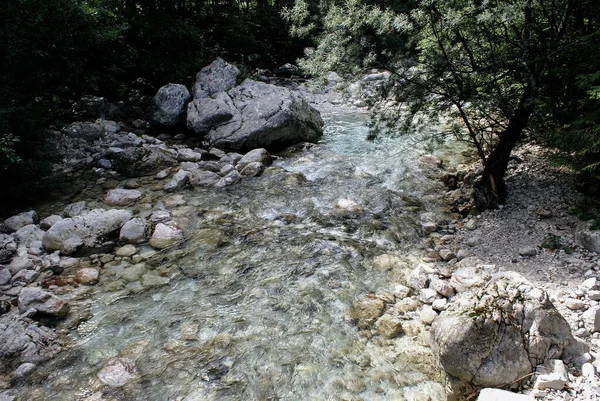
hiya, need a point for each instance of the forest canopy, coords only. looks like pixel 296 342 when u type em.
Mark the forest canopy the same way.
pixel 503 71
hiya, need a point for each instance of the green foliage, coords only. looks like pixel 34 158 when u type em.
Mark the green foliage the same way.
pixel 8 154
pixel 586 211
pixel 492 69
pixel 54 51
pixel 355 35
pixel 553 242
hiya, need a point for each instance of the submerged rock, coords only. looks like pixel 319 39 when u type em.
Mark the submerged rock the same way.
pixel 117 372
pixel 367 310
pixel 165 236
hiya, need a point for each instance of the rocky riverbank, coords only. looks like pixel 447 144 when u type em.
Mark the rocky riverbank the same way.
pixel 162 209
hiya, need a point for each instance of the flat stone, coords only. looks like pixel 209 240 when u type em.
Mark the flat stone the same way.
pixel 554 375
pixel 494 394
pixel 574 304
pixel 126 250
pixel 122 197
pixel 21 220
pixel 154 280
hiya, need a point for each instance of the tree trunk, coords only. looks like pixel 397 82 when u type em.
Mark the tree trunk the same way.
pixel 490 191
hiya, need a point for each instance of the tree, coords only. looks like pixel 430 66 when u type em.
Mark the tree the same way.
pixel 486 64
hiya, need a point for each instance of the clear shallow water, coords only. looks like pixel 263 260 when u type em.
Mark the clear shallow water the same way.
pixel 257 303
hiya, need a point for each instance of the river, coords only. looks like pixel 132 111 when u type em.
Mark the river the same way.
pixel 254 305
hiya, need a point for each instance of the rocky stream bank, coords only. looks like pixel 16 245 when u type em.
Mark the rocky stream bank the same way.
pixel 436 301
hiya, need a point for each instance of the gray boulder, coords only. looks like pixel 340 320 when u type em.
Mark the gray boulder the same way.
pixel 252 169
pixel 21 220
pixel 178 181
pixel 588 239
pixel 87 131
pixel 134 231
pixel 22 340
pixel 137 162
pixel 88 231
pixel 201 178
pixel 258 115
pixel 42 301
pixel 499 333
pixel 5 276
pixel 256 155
pixel 49 221
pixel 28 234
pixel 219 76
pixel 75 209
pixel 8 248
pixel 169 105
pixel 205 113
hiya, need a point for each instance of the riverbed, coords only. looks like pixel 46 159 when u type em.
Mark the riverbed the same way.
pixel 254 304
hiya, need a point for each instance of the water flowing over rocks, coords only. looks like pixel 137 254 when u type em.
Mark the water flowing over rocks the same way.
pixel 336 259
